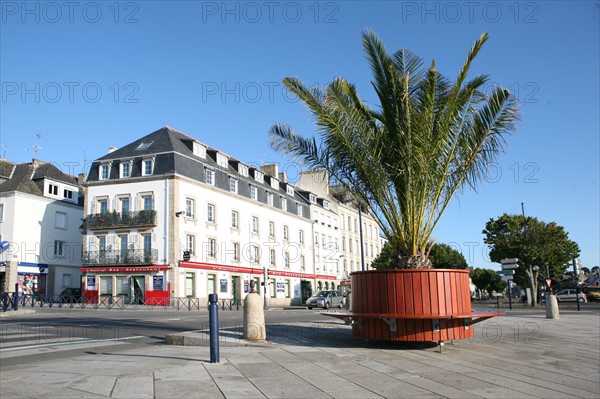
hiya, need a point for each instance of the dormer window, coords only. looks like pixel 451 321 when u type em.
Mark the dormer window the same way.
pixel 147 167
pixel 52 189
pixel 326 204
pixel 274 183
pixel 104 171
pixel 259 177
pixel 222 161
pixel 199 150
pixel 312 198
pixel 243 170
pixel 126 169
pixel 290 190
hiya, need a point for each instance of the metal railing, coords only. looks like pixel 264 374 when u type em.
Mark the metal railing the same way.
pixel 123 257
pixel 111 302
pixel 119 219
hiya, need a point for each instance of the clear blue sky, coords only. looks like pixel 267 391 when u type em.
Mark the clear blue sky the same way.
pixel 90 75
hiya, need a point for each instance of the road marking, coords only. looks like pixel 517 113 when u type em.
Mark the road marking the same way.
pixel 83 341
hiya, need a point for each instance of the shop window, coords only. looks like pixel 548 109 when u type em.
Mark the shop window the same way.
pixel 190 284
pixel 106 285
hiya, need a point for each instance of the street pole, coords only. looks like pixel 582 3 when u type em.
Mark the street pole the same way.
pixel 576 276
pixel 266 279
pixel 509 294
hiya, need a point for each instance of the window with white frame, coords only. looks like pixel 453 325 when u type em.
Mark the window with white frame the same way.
pixel 147 202
pixel 259 177
pixel 255 257
pixel 271 229
pixel 286 260
pixel 59 248
pixel 211 248
pixel 300 210
pixel 123 204
pixel 102 206
pixel 68 194
pixel 283 204
pixel 274 183
pixel 301 236
pixel 125 169
pixel 190 243
pixel 290 190
pixel 222 161
pixel 236 251
pixel 235 219
pixel 52 189
pixel 190 207
pixel 286 235
pixel 325 204
pixel 211 216
pixel 343 243
pixel 60 220
pixel 147 167
pixel 302 263
pixel 209 176
pixel 243 170
pixel 253 193
pixel 255 224
pixel 1 212
pixel 312 198
pixel 269 199
pixel 233 185
pixel 272 257
pixel 104 172
pixel 199 150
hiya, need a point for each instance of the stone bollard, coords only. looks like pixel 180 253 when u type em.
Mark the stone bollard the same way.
pixel 552 307
pixel 254 316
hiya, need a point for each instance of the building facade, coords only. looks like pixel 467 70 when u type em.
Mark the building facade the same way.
pixel 169 216
pixel 40 214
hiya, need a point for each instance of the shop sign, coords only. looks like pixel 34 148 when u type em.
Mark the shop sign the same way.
pixel 280 286
pixel 223 284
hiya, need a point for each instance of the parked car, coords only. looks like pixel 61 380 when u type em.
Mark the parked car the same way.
pixel 570 295
pixel 592 293
pixel 325 299
pixel 70 295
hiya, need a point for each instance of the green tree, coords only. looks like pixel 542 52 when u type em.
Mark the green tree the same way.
pixel 487 280
pixel 534 243
pixel 442 256
pixel 405 159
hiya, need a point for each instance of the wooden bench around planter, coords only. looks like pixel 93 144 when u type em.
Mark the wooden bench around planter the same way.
pixel 412 305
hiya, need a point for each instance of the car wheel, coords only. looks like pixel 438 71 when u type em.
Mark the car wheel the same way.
pixel 340 306
pixel 326 306
pixel 310 308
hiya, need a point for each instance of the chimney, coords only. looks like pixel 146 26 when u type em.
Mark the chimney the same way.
pixel 270 169
pixel 283 177
pixel 112 149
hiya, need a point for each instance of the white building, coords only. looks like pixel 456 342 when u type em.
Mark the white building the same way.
pixel 168 216
pixel 40 215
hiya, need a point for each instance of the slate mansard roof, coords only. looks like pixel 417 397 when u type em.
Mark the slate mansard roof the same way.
pixel 173 154
pixel 29 177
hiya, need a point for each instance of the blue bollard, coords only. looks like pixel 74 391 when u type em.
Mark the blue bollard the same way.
pixel 213 321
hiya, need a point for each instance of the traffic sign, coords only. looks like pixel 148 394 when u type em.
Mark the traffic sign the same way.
pixel 506 277
pixel 509 260
pixel 510 266
pixel 548 282
pixel 505 272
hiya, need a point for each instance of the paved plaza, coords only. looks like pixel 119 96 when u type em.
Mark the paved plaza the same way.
pixel 517 356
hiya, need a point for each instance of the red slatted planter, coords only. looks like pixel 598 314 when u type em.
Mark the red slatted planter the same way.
pixel 427 304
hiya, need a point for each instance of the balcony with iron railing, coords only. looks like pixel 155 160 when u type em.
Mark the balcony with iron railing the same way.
pixel 120 258
pixel 97 221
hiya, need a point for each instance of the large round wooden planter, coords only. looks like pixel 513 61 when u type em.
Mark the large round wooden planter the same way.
pixel 413 304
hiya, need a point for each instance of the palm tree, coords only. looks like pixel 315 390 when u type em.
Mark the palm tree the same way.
pixel 428 139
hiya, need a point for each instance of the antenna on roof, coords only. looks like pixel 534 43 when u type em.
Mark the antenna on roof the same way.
pixel 4 152
pixel 36 147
